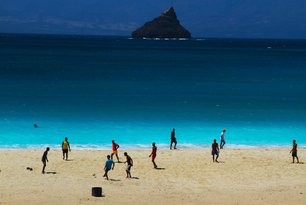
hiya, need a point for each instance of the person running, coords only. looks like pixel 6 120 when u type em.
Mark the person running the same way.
pixel 44 159
pixel 294 152
pixel 153 154
pixel 129 162
pixel 222 140
pixel 109 165
pixel 215 150
pixel 115 147
pixel 65 148
pixel 173 139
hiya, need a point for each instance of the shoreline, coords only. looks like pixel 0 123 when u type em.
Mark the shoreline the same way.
pixel 146 146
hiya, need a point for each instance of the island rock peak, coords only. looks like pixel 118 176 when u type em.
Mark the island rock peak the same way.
pixel 165 26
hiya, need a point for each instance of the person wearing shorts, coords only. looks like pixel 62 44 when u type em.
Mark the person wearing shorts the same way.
pixel 173 139
pixel 153 154
pixel 222 140
pixel 65 148
pixel 115 147
pixel 44 159
pixel 109 165
pixel 215 150
pixel 294 152
pixel 129 162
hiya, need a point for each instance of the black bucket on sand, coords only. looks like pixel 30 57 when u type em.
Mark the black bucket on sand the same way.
pixel 96 191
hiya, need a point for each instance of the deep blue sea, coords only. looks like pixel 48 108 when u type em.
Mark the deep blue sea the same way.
pixel 93 89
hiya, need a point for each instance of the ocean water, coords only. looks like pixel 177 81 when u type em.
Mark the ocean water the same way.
pixel 94 89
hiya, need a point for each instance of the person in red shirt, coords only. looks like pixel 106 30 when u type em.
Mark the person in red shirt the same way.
pixel 115 150
pixel 153 154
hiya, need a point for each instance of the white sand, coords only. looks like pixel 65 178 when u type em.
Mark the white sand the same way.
pixel 255 176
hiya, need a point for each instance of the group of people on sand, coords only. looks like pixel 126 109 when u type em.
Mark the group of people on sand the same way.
pixel 65 149
pixel 110 165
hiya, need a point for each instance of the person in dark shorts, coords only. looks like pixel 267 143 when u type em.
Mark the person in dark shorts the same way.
pixel 294 152
pixel 44 159
pixel 173 139
pixel 222 139
pixel 65 148
pixel 215 150
pixel 153 154
pixel 129 162
pixel 109 165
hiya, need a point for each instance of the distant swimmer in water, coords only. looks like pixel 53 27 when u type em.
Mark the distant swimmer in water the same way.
pixel 35 126
pixel 215 150
pixel 153 154
pixel 294 152
pixel 65 148
pixel 173 139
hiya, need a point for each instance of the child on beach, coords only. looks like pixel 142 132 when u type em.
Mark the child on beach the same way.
pixel 153 154
pixel 294 152
pixel 215 150
pixel 109 164
pixel 44 159
pixel 129 162
pixel 115 147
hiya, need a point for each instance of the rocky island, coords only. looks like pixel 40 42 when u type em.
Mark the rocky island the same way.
pixel 165 26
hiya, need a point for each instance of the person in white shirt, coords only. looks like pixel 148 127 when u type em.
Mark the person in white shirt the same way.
pixel 222 140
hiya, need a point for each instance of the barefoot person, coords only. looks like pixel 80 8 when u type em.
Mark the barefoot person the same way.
pixel 44 159
pixel 109 164
pixel 129 162
pixel 153 154
pixel 215 150
pixel 115 147
pixel 173 139
pixel 222 140
pixel 294 152
pixel 65 148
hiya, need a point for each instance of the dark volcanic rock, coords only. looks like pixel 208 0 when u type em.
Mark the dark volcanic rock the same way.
pixel 165 26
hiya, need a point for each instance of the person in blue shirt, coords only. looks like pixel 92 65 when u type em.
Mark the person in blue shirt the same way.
pixel 109 164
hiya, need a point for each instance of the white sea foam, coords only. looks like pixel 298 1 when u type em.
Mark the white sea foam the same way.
pixel 141 146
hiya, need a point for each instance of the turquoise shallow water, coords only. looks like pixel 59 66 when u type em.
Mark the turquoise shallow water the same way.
pixel 95 89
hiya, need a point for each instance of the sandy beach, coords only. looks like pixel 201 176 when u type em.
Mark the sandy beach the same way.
pixel 243 176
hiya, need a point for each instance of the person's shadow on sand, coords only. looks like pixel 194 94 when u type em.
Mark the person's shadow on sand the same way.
pixel 115 180
pixel 51 172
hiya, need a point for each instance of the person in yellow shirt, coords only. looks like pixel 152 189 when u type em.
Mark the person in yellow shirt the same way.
pixel 65 148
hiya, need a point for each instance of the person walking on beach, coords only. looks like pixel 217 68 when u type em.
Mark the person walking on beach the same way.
pixel 173 139
pixel 65 148
pixel 294 152
pixel 115 147
pixel 44 159
pixel 222 140
pixel 109 165
pixel 129 162
pixel 215 150
pixel 153 154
